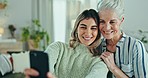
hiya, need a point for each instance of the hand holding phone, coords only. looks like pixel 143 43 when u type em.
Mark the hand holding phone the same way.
pixel 37 60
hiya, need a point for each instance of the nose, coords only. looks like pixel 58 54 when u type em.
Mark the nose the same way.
pixel 107 27
pixel 88 32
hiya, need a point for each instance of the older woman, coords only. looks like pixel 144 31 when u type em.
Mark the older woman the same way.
pixel 125 56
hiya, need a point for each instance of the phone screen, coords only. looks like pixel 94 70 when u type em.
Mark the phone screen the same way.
pixel 39 62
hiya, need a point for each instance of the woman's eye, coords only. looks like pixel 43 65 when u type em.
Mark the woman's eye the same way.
pixel 83 27
pixel 112 22
pixel 101 22
pixel 94 28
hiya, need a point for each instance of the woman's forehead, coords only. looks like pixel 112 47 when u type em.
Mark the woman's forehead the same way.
pixel 106 14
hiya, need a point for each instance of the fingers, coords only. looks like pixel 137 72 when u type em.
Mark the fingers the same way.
pixel 106 55
pixel 49 75
pixel 108 58
pixel 27 77
pixel 30 72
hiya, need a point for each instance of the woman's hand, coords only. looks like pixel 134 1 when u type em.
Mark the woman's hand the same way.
pixel 108 58
pixel 50 75
pixel 32 72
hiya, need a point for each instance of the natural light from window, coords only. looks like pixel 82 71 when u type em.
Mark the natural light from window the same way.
pixel 59 19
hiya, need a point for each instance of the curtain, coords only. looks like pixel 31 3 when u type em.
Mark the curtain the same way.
pixel 43 10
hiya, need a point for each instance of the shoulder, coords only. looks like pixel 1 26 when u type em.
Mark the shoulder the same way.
pixel 133 40
pixel 56 46
pixel 135 44
pixel 58 43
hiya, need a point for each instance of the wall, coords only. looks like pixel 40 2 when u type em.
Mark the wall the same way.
pixel 18 13
pixel 136 15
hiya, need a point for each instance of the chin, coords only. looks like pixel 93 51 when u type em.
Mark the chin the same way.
pixel 107 37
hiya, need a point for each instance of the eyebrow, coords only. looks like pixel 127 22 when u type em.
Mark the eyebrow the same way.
pixel 86 25
pixel 83 25
pixel 94 26
pixel 110 20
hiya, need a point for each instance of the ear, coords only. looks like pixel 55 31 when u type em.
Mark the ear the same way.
pixel 122 19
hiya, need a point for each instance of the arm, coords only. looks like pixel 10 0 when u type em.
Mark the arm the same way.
pixel 53 51
pixel 109 60
pixel 98 70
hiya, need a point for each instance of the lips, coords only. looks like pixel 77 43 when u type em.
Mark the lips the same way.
pixel 87 38
pixel 108 32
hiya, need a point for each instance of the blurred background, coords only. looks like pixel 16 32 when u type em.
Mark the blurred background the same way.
pixel 56 18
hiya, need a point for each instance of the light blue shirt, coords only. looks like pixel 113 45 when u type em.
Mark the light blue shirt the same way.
pixel 130 56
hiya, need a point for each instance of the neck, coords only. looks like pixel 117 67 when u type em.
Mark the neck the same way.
pixel 111 42
pixel 114 41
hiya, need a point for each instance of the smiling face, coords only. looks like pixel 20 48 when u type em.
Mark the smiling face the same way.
pixel 110 24
pixel 87 31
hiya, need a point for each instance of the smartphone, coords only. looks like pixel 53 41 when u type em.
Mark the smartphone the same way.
pixel 39 61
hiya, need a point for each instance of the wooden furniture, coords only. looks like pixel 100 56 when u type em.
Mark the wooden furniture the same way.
pixel 10 45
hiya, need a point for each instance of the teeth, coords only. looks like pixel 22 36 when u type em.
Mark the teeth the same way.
pixel 108 32
pixel 87 38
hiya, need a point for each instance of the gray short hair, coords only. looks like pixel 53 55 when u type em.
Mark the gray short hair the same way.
pixel 115 5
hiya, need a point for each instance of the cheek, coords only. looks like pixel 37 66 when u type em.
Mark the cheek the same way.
pixel 117 28
pixel 95 33
pixel 80 32
pixel 100 27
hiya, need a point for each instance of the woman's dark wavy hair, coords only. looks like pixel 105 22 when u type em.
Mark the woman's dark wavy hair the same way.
pixel 86 14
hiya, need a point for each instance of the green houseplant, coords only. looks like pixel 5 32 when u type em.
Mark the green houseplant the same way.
pixel 144 38
pixel 35 34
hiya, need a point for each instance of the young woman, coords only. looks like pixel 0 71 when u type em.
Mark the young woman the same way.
pixel 77 59
pixel 125 56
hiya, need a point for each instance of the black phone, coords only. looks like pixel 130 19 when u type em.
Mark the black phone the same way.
pixel 39 62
